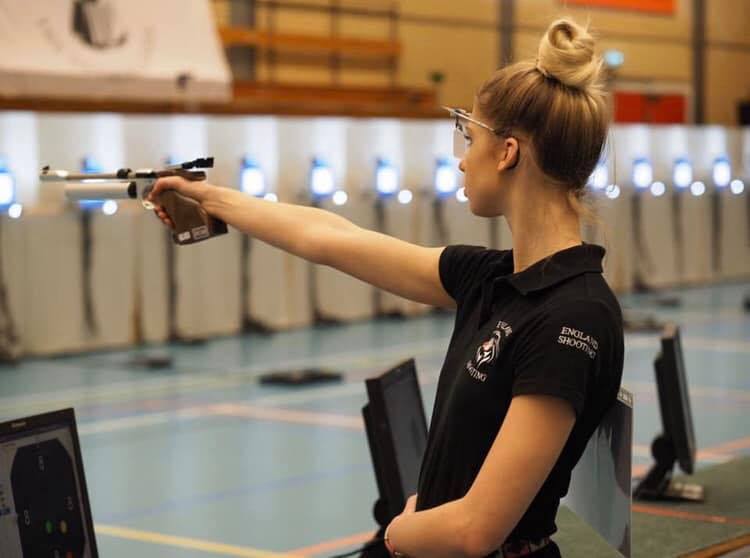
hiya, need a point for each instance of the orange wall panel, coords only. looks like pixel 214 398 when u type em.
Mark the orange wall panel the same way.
pixel 654 6
pixel 633 107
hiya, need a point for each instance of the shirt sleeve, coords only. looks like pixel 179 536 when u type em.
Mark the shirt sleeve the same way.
pixel 561 352
pixel 460 266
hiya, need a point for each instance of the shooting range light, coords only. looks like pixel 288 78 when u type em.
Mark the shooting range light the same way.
pixel 737 186
pixel 15 211
pixel 405 197
pixel 252 181
pixel 600 176
pixel 722 172
pixel 321 179
pixel 270 196
pixel 658 189
pixel 386 178
pixel 643 173
pixel 7 186
pixel 109 207
pixel 697 188
pixel 613 58
pixel 612 191
pixel 682 173
pixel 446 178
pixel 461 195
pixel 340 197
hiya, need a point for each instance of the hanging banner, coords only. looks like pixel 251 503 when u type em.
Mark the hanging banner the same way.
pixel 653 6
pixel 124 49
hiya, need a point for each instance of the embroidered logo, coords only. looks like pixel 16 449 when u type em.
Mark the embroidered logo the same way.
pixel 488 351
pixel 578 340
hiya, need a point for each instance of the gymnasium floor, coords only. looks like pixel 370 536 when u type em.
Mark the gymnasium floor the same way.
pixel 199 460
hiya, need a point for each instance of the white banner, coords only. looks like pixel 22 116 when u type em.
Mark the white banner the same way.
pixel 125 49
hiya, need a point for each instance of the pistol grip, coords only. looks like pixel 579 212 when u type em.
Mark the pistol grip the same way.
pixel 192 223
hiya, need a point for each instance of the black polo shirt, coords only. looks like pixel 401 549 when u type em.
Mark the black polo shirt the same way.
pixel 553 329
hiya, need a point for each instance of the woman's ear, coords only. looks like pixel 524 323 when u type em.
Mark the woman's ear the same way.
pixel 509 153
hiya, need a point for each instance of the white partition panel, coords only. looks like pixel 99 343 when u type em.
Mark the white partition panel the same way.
pixel 19 149
pixel 46 256
pixel 148 145
pixel 234 140
pixel 371 141
pixel 704 143
pixel 13 270
pixel 206 274
pixel 617 208
pixel 337 296
pixel 734 239
pixel 19 152
pixel 64 140
pixel 659 217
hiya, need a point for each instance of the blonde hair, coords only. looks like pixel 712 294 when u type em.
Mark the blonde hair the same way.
pixel 558 100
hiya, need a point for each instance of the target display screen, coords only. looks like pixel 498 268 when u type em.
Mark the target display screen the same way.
pixel 43 504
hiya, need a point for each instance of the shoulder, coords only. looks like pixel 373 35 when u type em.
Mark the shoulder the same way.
pixel 461 266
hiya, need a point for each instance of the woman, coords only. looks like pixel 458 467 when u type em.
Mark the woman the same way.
pixel 536 356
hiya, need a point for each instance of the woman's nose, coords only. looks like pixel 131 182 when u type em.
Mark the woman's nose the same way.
pixel 461 166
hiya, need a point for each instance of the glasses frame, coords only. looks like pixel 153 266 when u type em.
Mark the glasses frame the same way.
pixel 459 136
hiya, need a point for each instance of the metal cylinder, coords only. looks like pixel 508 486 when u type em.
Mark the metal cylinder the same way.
pixel 100 190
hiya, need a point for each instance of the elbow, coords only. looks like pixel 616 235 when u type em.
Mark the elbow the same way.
pixel 478 544
pixel 479 538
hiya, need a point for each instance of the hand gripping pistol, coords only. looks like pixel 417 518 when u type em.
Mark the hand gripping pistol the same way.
pixel 192 223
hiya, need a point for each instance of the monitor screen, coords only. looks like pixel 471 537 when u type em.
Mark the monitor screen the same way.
pixel 674 399
pixel 44 508
pixel 397 432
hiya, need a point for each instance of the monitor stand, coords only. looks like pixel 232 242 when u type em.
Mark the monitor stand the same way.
pixel 658 484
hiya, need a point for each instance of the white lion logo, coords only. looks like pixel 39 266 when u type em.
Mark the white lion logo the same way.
pixel 487 351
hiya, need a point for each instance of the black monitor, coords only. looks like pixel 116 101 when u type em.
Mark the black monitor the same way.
pixel 397 434
pixel 44 506
pixel 676 443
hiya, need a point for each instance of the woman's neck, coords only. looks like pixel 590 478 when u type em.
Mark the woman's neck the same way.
pixel 540 228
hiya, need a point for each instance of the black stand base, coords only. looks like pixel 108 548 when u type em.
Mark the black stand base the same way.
pixel 672 491
pixel 300 377
pixel 658 484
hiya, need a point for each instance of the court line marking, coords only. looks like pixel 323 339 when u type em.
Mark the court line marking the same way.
pixel 720 549
pixel 690 516
pixel 186 542
pixel 732 446
pixel 335 544
pixel 247 411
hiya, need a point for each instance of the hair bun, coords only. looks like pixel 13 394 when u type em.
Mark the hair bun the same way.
pixel 566 53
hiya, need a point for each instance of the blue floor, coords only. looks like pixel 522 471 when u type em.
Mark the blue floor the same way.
pixel 200 460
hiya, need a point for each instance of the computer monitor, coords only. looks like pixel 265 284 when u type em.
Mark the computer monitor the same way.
pixel 397 434
pixel 676 443
pixel 599 491
pixel 44 506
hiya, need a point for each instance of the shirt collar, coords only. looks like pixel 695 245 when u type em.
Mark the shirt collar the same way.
pixel 548 272
pixel 560 266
